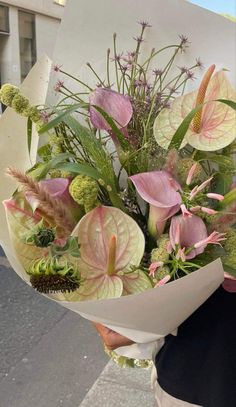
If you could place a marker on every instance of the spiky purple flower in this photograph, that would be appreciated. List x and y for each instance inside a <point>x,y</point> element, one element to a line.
<point>157,72</point>
<point>144,24</point>
<point>59,84</point>
<point>44,116</point>
<point>56,68</point>
<point>190,75</point>
<point>183,69</point>
<point>199,63</point>
<point>139,39</point>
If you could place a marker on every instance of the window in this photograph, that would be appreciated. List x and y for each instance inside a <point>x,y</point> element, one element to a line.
<point>60,2</point>
<point>4,19</point>
<point>27,42</point>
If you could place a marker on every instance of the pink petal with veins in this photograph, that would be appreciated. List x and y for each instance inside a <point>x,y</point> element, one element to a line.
<point>190,230</point>
<point>115,104</point>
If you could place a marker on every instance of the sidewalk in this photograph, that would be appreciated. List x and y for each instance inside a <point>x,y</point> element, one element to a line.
<point>120,387</point>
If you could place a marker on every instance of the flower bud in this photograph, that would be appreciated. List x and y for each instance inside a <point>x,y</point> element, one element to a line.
<point>7,93</point>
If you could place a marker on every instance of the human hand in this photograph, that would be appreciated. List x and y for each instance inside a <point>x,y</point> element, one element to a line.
<point>111,339</point>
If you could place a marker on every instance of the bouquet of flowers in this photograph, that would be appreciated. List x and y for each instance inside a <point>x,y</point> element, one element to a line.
<point>133,189</point>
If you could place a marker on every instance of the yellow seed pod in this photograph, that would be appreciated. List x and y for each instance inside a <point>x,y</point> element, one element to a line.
<point>20,103</point>
<point>7,93</point>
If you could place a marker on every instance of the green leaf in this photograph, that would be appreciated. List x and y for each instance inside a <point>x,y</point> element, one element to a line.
<point>94,149</point>
<point>40,170</point>
<point>60,116</point>
<point>222,183</point>
<point>44,152</point>
<point>84,169</point>
<point>182,129</point>
<point>29,133</point>
<point>228,102</point>
<point>123,142</point>
<point>230,197</point>
<point>225,163</point>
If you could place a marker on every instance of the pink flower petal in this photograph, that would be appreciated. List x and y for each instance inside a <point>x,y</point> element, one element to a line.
<point>115,104</point>
<point>191,230</point>
<point>158,188</point>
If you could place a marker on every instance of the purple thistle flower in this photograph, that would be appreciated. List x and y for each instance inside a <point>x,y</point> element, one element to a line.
<point>116,58</point>
<point>44,116</point>
<point>190,75</point>
<point>144,24</point>
<point>56,68</point>
<point>199,63</point>
<point>138,39</point>
<point>183,69</point>
<point>58,86</point>
<point>184,39</point>
<point>157,72</point>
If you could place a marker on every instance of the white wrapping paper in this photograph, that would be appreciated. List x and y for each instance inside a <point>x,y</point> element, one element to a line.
<point>85,34</point>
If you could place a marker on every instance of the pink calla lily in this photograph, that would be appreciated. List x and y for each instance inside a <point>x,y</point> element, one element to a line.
<point>115,104</point>
<point>214,127</point>
<point>186,232</point>
<point>160,190</point>
<point>111,243</point>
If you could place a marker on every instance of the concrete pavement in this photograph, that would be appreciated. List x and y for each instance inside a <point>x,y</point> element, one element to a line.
<point>49,357</point>
<point>117,387</point>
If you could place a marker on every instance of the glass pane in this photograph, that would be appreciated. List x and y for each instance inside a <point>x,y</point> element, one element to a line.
<point>4,19</point>
<point>27,42</point>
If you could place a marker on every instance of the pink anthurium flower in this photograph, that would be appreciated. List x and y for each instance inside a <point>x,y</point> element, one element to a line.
<point>58,188</point>
<point>115,104</point>
<point>213,127</point>
<point>21,221</point>
<point>186,232</point>
<point>111,246</point>
<point>160,190</point>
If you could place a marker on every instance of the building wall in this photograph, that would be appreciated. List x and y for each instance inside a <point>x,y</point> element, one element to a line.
<point>48,15</point>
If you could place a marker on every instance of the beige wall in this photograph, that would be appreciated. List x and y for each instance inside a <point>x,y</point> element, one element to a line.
<point>46,31</point>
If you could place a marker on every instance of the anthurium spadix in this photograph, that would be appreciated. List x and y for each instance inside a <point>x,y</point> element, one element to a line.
<point>160,190</point>
<point>111,247</point>
<point>213,126</point>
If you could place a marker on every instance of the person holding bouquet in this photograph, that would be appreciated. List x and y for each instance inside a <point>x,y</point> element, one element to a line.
<point>198,366</point>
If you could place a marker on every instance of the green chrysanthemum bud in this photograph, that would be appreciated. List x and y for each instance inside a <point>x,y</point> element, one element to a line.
<point>33,113</point>
<point>183,168</point>
<point>50,274</point>
<point>20,103</point>
<point>230,243</point>
<point>160,253</point>
<point>55,174</point>
<point>7,93</point>
<point>84,191</point>
<point>161,272</point>
<point>56,144</point>
<point>44,237</point>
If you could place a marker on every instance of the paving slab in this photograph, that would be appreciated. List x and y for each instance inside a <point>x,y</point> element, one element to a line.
<point>121,387</point>
<point>49,356</point>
